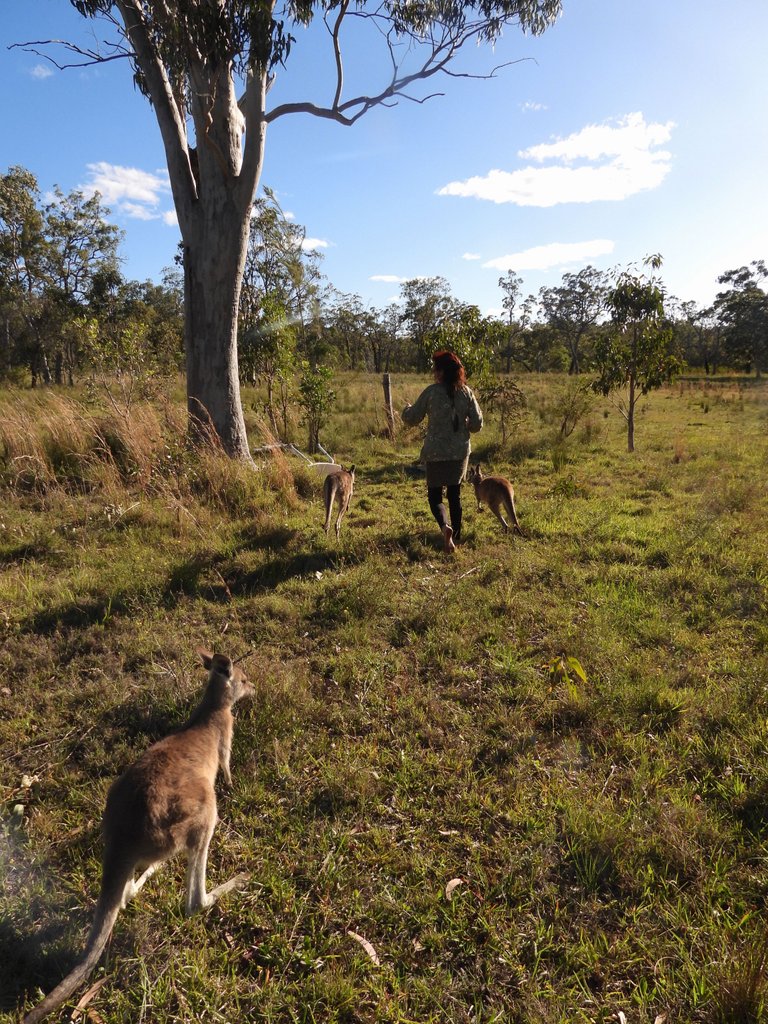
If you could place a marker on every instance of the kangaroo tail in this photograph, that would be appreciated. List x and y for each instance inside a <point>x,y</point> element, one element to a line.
<point>107,909</point>
<point>329,493</point>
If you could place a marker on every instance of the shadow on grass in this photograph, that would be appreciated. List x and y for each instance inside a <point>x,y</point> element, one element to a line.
<point>281,569</point>
<point>23,553</point>
<point>25,966</point>
<point>87,612</point>
<point>256,539</point>
<point>395,472</point>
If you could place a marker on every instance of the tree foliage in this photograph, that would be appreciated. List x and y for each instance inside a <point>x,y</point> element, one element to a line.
<point>634,354</point>
<point>574,308</point>
<point>742,311</point>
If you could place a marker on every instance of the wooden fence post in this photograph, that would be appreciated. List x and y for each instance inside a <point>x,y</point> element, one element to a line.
<point>388,406</point>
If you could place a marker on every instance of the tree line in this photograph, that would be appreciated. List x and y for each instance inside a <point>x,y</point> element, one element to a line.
<point>67,310</point>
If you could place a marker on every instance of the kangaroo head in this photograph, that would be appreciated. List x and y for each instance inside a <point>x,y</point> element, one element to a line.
<point>475,474</point>
<point>226,680</point>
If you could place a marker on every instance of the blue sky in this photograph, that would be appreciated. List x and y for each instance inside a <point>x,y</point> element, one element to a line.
<point>628,128</point>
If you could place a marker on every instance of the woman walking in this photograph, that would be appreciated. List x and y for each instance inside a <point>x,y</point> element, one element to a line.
<point>453,413</point>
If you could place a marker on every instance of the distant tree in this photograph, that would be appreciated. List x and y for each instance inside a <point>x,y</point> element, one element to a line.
<point>80,245</point>
<point>50,257</point>
<point>510,284</point>
<point>21,251</point>
<point>316,398</point>
<point>276,264</point>
<point>278,297</point>
<point>427,304</point>
<point>385,339</point>
<point>189,58</point>
<point>698,334</point>
<point>573,308</point>
<point>348,325</point>
<point>634,352</point>
<point>268,348</point>
<point>473,337</point>
<point>742,311</point>
<point>130,336</point>
<point>534,344</point>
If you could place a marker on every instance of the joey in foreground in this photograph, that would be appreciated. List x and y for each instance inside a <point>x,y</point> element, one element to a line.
<point>338,487</point>
<point>498,494</point>
<point>164,804</point>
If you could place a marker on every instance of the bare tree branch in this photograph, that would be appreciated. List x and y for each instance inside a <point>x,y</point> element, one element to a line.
<point>440,49</point>
<point>337,53</point>
<point>91,56</point>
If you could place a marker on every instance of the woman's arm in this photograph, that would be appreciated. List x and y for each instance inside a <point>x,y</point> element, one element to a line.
<point>413,414</point>
<point>474,414</point>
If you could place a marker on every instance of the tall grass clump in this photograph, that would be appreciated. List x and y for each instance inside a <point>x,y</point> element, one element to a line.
<point>52,441</point>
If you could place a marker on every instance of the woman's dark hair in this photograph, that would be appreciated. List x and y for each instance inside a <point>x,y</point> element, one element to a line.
<point>452,369</point>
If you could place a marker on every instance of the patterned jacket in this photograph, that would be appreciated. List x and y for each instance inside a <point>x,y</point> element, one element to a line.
<point>451,419</point>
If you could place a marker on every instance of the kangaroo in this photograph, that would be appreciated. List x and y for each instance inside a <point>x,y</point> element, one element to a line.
<point>338,487</point>
<point>162,804</point>
<point>497,493</point>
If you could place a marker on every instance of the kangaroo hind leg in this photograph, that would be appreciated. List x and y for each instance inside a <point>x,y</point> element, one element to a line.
<point>197,863</point>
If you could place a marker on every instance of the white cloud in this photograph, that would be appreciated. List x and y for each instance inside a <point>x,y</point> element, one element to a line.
<point>314,243</point>
<point>471,256</point>
<point>387,278</point>
<point>170,218</point>
<point>556,254</point>
<point>130,191</point>
<point>137,211</point>
<point>41,71</point>
<point>119,184</point>
<point>531,105</point>
<point>620,158</point>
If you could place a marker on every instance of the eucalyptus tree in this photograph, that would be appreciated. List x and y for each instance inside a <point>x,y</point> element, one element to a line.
<point>277,297</point>
<point>50,257</point>
<point>278,266</point>
<point>80,245</point>
<point>573,309</point>
<point>427,305</point>
<point>742,310</point>
<point>21,248</point>
<point>633,355</point>
<point>474,338</point>
<point>511,285</point>
<point>386,339</point>
<point>699,335</point>
<point>206,67</point>
<point>347,325</point>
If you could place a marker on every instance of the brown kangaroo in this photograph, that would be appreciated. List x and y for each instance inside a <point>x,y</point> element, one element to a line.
<point>163,804</point>
<point>498,494</point>
<point>338,487</point>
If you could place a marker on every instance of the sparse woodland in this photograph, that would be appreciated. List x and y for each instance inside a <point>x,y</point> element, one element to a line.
<point>527,783</point>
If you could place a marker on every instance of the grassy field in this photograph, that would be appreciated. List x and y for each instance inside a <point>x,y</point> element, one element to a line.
<point>517,844</point>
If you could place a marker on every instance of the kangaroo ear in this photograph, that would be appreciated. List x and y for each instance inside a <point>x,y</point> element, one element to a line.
<point>352,469</point>
<point>206,657</point>
<point>222,664</point>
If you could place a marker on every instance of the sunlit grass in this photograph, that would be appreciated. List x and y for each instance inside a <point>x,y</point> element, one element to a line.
<point>609,835</point>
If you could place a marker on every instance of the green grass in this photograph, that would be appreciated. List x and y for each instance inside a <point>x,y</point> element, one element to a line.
<point>610,836</point>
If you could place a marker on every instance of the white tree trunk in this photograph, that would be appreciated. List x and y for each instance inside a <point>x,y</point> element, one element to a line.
<point>213,266</point>
<point>213,189</point>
